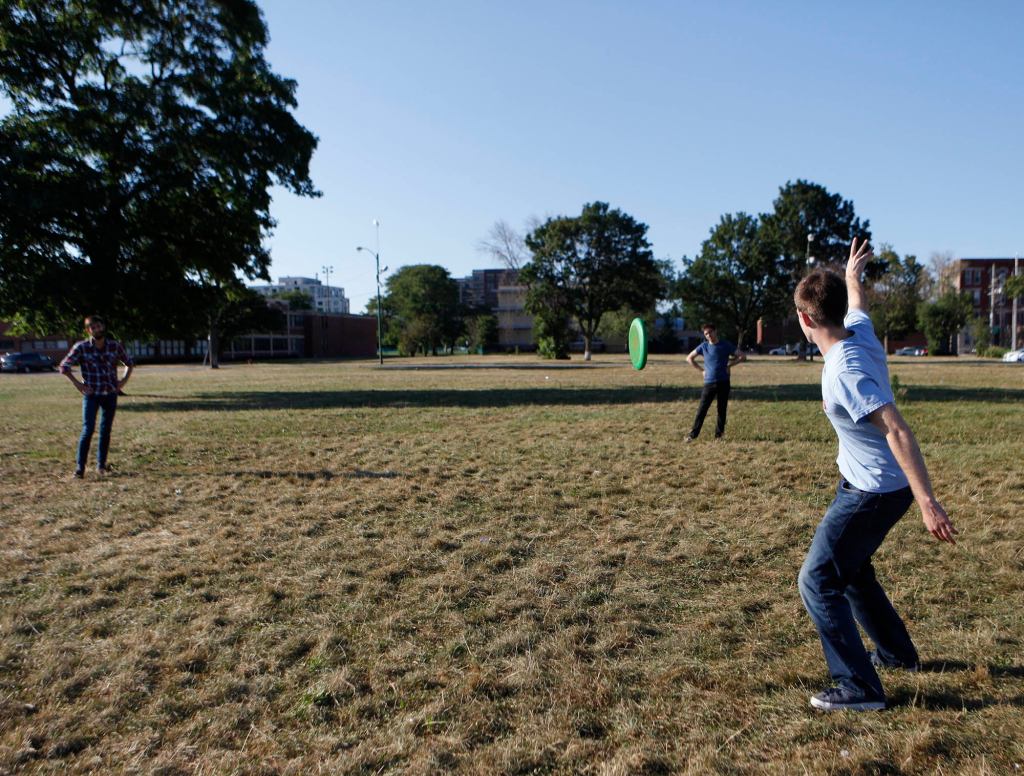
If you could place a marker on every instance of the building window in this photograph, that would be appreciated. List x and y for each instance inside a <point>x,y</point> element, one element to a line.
<point>977,297</point>
<point>972,277</point>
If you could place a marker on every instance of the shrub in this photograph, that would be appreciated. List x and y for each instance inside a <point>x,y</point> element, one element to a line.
<point>991,351</point>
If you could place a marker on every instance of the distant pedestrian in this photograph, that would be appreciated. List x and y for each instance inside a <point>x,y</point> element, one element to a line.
<point>883,473</point>
<point>720,356</point>
<point>97,358</point>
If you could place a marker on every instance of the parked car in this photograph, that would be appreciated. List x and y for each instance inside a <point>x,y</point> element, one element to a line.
<point>910,352</point>
<point>1014,357</point>
<point>794,349</point>
<point>596,345</point>
<point>26,362</point>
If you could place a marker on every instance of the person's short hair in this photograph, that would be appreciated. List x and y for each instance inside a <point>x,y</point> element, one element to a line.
<point>706,326</point>
<point>90,319</point>
<point>822,295</point>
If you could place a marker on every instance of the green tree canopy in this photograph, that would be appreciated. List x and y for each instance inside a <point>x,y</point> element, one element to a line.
<point>943,319</point>
<point>894,296</point>
<point>749,266</point>
<point>735,279</point>
<point>234,309</point>
<point>1014,287</point>
<point>424,310</point>
<point>585,266</point>
<point>137,162</point>
<point>482,331</point>
<point>803,209</point>
<point>297,299</point>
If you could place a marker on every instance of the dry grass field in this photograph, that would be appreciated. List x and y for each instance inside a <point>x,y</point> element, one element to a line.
<point>514,569</point>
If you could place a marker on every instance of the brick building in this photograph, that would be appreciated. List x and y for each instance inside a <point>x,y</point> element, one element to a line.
<point>305,335</point>
<point>977,277</point>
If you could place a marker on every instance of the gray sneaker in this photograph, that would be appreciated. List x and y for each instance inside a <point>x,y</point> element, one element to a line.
<point>839,698</point>
<point>878,663</point>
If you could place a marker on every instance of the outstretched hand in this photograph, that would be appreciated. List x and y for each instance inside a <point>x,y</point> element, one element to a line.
<point>938,523</point>
<point>860,255</point>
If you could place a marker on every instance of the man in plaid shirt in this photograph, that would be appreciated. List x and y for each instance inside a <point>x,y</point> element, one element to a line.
<point>98,358</point>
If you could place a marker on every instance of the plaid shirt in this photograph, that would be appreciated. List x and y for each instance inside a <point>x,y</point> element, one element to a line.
<point>99,367</point>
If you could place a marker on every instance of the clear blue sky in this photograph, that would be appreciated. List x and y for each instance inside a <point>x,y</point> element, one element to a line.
<point>439,118</point>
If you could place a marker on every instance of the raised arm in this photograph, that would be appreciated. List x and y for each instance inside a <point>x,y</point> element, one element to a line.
<point>903,444</point>
<point>860,255</point>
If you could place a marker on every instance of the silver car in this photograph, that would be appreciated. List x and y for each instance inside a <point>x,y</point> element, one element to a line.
<point>26,362</point>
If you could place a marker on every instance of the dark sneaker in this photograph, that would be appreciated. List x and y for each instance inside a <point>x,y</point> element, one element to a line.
<point>104,469</point>
<point>78,474</point>
<point>839,698</point>
<point>878,663</point>
<point>690,439</point>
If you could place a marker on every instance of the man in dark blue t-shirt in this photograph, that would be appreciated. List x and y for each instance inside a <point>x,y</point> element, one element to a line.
<point>719,357</point>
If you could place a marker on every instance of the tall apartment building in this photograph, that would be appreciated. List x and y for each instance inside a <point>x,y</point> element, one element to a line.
<point>499,291</point>
<point>515,325</point>
<point>977,277</point>
<point>480,289</point>
<point>326,299</point>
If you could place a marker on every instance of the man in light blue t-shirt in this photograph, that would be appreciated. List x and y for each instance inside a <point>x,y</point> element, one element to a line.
<point>882,474</point>
<point>720,356</point>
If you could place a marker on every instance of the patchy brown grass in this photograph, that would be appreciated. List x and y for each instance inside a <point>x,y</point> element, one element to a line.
<point>324,568</point>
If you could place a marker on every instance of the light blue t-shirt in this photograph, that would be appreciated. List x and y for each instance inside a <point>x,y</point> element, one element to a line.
<point>855,383</point>
<point>716,360</point>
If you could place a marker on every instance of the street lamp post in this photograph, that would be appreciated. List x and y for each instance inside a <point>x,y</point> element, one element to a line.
<point>376,256</point>
<point>1013,324</point>
<point>809,261</point>
<point>327,270</point>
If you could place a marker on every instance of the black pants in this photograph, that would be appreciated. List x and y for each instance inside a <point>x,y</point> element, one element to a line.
<point>710,392</point>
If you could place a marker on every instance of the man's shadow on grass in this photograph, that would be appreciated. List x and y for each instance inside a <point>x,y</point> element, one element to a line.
<point>959,666</point>
<point>947,700</point>
<point>232,401</point>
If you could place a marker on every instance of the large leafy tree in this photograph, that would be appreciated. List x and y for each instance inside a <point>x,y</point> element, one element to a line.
<point>896,294</point>
<point>735,279</point>
<point>585,266</point>
<point>424,309</point>
<point>941,320</point>
<point>1014,287</point>
<point>749,267</point>
<point>234,309</point>
<point>807,220</point>
<point>295,298</point>
<point>137,161</point>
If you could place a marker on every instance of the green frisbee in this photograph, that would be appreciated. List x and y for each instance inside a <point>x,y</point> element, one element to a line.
<point>638,344</point>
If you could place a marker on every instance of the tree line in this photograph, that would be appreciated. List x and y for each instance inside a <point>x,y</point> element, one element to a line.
<point>592,273</point>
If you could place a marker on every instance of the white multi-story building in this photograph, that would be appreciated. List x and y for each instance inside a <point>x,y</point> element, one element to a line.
<point>326,299</point>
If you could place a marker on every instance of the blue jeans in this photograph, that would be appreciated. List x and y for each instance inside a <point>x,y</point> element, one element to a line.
<point>838,586</point>
<point>90,404</point>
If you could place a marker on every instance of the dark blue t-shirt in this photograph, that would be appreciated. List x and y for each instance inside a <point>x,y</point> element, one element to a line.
<point>716,360</point>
